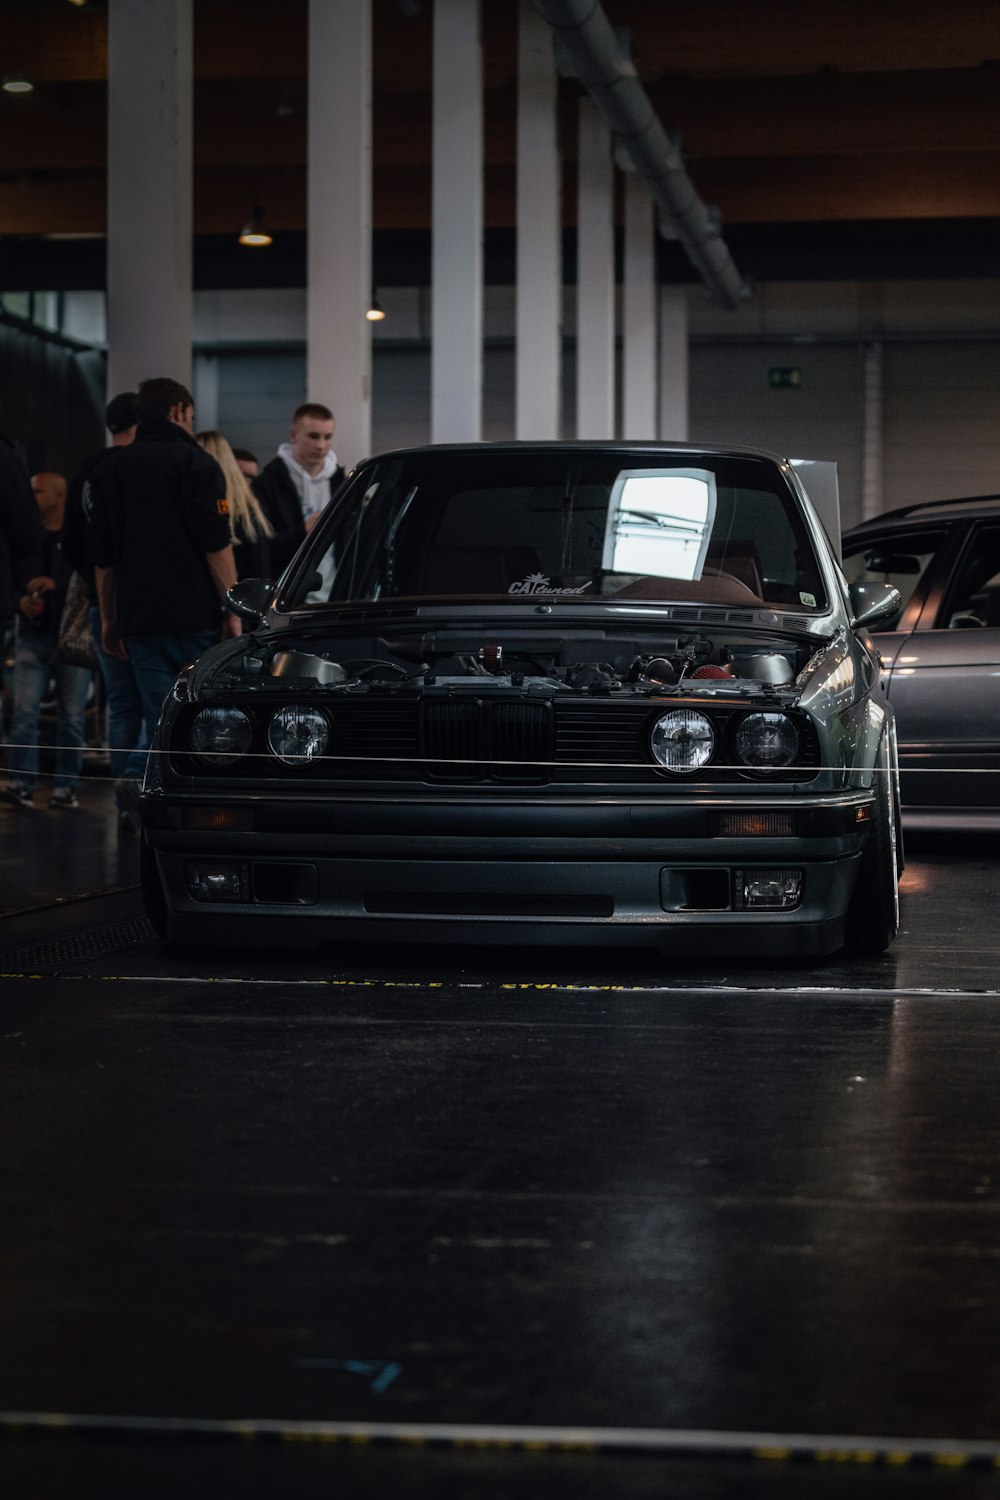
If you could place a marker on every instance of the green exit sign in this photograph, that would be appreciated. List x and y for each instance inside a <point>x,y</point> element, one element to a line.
<point>784,377</point>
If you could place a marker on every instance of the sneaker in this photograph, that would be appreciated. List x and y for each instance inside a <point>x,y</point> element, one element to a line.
<point>63,798</point>
<point>18,793</point>
<point>127,789</point>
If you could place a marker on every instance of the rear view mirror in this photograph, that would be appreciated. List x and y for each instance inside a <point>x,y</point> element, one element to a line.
<point>892,562</point>
<point>250,597</point>
<point>874,602</point>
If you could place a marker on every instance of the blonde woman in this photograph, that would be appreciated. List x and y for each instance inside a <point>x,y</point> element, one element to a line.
<point>249,526</point>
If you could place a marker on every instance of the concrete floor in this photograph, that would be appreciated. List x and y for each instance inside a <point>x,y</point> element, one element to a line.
<point>449,1187</point>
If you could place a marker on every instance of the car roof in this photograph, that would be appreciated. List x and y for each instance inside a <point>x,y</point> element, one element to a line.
<point>609,445</point>
<point>928,510</point>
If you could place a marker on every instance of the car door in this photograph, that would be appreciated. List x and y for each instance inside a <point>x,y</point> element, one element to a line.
<point>917,561</point>
<point>945,687</point>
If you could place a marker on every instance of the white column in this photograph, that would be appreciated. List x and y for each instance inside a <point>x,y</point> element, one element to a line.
<point>457,225</point>
<point>595,279</point>
<point>638,314</point>
<point>539,229</point>
<point>339,220</point>
<point>149,191</point>
<point>206,391</point>
<point>673,426</point>
<point>872,438</point>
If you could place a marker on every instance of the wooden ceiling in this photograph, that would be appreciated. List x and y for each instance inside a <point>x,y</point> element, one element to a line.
<point>819,113</point>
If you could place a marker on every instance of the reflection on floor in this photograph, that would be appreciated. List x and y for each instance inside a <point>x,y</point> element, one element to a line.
<point>48,856</point>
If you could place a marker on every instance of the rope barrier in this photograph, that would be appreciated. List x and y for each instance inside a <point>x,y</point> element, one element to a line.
<point>491,760</point>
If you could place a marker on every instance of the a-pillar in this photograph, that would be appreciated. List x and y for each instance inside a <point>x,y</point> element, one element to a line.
<point>339,220</point>
<point>638,314</point>
<point>539,223</point>
<point>674,379</point>
<point>457,224</point>
<point>149,192</point>
<point>595,278</point>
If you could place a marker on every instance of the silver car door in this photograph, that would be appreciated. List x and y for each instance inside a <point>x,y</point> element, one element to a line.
<point>945,689</point>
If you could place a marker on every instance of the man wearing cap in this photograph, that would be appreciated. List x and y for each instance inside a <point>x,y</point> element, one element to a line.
<point>128,739</point>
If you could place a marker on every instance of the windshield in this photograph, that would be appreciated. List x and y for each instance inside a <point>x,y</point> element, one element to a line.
<point>509,524</point>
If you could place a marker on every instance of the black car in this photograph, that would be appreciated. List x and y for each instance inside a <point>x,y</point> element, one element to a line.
<point>536,693</point>
<point>940,653</point>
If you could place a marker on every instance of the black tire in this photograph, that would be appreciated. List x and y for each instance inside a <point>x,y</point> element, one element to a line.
<point>153,898</point>
<point>873,917</point>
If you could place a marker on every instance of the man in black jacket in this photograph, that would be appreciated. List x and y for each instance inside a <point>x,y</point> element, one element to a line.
<point>297,485</point>
<point>163,560</point>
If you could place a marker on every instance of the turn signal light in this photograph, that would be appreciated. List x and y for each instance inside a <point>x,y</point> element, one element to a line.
<point>218,819</point>
<point>768,825</point>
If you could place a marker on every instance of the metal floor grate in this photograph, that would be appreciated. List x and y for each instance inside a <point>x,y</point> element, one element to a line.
<point>93,942</point>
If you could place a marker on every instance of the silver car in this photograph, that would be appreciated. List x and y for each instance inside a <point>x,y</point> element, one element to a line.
<point>539,693</point>
<point>940,653</point>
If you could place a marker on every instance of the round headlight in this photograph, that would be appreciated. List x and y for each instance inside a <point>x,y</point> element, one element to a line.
<point>297,734</point>
<point>220,736</point>
<point>682,740</point>
<point>767,741</point>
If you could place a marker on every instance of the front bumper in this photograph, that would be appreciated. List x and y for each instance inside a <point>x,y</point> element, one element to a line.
<point>300,873</point>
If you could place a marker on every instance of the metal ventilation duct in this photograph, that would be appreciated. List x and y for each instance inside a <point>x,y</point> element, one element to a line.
<point>590,42</point>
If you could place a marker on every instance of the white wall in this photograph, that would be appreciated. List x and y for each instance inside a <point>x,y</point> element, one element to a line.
<point>942,421</point>
<point>731,401</point>
<point>941,344</point>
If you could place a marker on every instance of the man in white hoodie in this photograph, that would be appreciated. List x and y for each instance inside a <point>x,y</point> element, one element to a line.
<point>298,484</point>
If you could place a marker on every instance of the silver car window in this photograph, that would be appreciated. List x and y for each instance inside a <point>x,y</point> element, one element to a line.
<point>900,560</point>
<point>974,601</point>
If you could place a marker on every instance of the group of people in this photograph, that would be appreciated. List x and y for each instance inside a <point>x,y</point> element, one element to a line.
<point>159,526</point>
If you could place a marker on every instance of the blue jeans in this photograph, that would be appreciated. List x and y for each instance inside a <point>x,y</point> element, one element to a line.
<point>128,738</point>
<point>33,669</point>
<point>156,661</point>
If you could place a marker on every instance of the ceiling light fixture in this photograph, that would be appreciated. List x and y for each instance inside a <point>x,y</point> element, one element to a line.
<point>375,312</point>
<point>16,83</point>
<point>253,231</point>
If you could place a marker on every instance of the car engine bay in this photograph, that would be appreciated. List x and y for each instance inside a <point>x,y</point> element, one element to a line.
<point>726,665</point>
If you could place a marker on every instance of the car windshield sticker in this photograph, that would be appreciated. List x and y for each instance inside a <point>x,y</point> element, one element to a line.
<point>538,583</point>
<point>809,600</point>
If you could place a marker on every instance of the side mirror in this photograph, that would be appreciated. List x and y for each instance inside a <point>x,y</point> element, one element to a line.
<point>872,602</point>
<point>250,597</point>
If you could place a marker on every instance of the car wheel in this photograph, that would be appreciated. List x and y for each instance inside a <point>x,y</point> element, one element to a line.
<point>153,898</point>
<point>873,919</point>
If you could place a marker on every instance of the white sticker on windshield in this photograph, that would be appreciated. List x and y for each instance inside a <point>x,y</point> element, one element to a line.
<point>809,600</point>
<point>538,583</point>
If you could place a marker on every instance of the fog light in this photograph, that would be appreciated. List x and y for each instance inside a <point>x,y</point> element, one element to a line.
<point>774,890</point>
<point>222,880</point>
